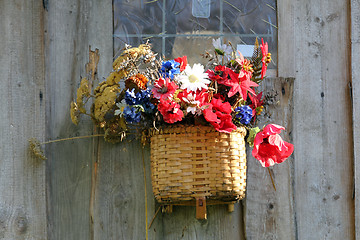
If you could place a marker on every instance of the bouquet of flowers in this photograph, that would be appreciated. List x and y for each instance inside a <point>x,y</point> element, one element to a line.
<point>145,92</point>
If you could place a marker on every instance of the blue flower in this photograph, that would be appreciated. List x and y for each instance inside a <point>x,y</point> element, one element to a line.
<point>143,95</point>
<point>143,98</point>
<point>131,98</point>
<point>132,114</point>
<point>170,68</point>
<point>140,99</point>
<point>148,107</point>
<point>243,114</point>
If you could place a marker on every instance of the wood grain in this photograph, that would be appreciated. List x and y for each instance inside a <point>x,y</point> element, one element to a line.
<point>323,166</point>
<point>220,224</point>
<point>22,177</point>
<point>71,27</point>
<point>269,214</point>
<point>119,211</point>
<point>286,38</point>
<point>355,76</point>
<point>314,189</point>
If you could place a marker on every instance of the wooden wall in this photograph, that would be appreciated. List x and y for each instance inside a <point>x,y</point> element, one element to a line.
<point>323,169</point>
<point>22,116</point>
<point>95,190</point>
<point>355,76</point>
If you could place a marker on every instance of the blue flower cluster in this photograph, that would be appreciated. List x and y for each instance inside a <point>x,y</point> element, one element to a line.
<point>132,114</point>
<point>138,102</point>
<point>170,68</point>
<point>244,114</point>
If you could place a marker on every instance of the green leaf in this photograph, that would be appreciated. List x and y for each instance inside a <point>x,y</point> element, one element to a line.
<point>252,134</point>
<point>139,108</point>
<point>218,51</point>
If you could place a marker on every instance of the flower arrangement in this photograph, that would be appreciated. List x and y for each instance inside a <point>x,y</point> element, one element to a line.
<point>145,92</point>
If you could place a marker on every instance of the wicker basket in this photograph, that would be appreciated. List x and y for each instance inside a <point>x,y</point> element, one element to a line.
<point>197,161</point>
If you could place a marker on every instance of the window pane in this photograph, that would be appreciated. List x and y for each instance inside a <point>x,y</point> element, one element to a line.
<point>174,27</point>
<point>180,20</point>
<point>137,17</point>
<point>190,46</point>
<point>252,18</point>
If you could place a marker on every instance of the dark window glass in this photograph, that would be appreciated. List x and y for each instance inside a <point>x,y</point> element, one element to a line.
<point>187,27</point>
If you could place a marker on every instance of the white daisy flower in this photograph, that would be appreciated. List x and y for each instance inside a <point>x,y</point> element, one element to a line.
<point>193,78</point>
<point>121,106</point>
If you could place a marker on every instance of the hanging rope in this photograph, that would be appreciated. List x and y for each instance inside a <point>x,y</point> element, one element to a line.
<point>146,204</point>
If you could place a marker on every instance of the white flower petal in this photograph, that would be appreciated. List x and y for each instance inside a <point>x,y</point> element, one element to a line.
<point>193,78</point>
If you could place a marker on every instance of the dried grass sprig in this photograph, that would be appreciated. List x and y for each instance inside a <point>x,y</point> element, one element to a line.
<point>35,144</point>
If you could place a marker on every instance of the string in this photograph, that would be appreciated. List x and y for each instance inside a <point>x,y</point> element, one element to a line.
<point>146,204</point>
<point>72,138</point>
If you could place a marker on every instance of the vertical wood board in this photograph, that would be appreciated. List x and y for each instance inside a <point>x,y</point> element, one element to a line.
<point>355,76</point>
<point>269,214</point>
<point>120,211</point>
<point>286,38</point>
<point>220,224</point>
<point>22,176</point>
<point>71,27</point>
<point>322,119</point>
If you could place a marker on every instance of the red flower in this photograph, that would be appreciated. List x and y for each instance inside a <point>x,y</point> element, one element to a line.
<point>218,105</point>
<point>225,125</point>
<point>241,84</point>
<point>182,61</point>
<point>209,114</point>
<point>264,60</point>
<point>217,114</point>
<point>170,111</point>
<point>256,103</point>
<point>219,96</point>
<point>163,88</point>
<point>246,66</point>
<point>220,75</point>
<point>269,148</point>
<point>200,96</point>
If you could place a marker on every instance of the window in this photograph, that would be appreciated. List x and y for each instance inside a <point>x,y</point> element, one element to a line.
<point>178,27</point>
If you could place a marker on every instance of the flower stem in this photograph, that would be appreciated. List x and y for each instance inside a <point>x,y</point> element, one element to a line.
<point>72,138</point>
<point>156,213</point>
<point>272,180</point>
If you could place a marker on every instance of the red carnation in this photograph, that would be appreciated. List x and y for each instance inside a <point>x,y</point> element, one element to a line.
<point>217,114</point>
<point>170,111</point>
<point>269,148</point>
<point>220,74</point>
<point>225,125</point>
<point>221,106</point>
<point>164,88</point>
<point>182,61</point>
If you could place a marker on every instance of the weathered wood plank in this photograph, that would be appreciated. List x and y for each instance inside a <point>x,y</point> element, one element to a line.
<point>220,224</point>
<point>322,119</point>
<point>71,27</point>
<point>269,214</point>
<point>22,177</point>
<point>120,211</point>
<point>286,38</point>
<point>355,76</point>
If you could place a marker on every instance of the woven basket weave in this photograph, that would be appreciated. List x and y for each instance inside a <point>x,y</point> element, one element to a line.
<point>197,161</point>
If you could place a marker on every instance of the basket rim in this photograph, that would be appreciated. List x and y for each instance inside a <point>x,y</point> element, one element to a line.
<point>182,128</point>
